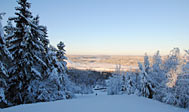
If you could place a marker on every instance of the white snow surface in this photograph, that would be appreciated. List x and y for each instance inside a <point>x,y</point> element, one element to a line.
<point>99,103</point>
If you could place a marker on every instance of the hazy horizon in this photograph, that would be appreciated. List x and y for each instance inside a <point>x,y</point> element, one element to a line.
<point>112,27</point>
<point>151,53</point>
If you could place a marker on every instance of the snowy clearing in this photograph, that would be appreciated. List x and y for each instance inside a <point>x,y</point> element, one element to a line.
<point>99,103</point>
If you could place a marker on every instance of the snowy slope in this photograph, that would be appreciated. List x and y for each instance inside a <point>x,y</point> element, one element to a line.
<point>99,103</point>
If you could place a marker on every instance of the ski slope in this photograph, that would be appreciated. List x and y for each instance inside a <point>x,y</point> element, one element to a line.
<point>99,103</point>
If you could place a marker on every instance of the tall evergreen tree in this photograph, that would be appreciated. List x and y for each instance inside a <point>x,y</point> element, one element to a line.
<point>157,61</point>
<point>181,87</point>
<point>146,85</point>
<point>4,55</point>
<point>25,46</point>
<point>52,86</point>
<point>130,85</point>
<point>146,63</point>
<point>172,61</point>
<point>158,76</point>
<point>157,73</point>
<point>61,54</point>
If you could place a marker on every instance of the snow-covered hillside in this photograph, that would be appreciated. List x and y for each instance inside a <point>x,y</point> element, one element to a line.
<point>99,103</point>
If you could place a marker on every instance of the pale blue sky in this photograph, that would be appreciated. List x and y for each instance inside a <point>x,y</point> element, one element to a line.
<point>119,27</point>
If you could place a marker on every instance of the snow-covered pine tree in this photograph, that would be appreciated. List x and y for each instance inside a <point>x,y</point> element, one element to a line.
<point>157,61</point>
<point>157,73</point>
<point>158,76</point>
<point>123,85</point>
<point>61,54</point>
<point>182,90</point>
<point>130,85</point>
<point>146,86</point>
<point>173,89</point>
<point>37,88</point>
<point>170,95</point>
<point>146,63</point>
<point>176,92</point>
<point>182,82</point>
<point>49,87</point>
<point>173,66</point>
<point>53,86</point>
<point>172,60</point>
<point>4,56</point>
<point>25,46</point>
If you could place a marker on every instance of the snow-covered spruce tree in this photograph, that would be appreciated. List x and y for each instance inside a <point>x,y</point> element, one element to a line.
<point>182,91</point>
<point>4,57</point>
<point>146,86</point>
<point>177,92</point>
<point>166,76</point>
<point>37,88</point>
<point>157,61</point>
<point>181,86</point>
<point>60,54</point>
<point>173,66</point>
<point>130,84</point>
<point>25,46</point>
<point>170,91</point>
<point>146,63</point>
<point>173,92</point>
<point>158,76</point>
<point>157,73</point>
<point>172,60</point>
<point>54,84</point>
<point>123,81</point>
<point>178,81</point>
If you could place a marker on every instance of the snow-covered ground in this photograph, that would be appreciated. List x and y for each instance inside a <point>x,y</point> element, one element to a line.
<point>99,103</point>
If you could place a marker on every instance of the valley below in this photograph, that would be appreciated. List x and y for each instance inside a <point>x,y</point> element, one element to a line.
<point>106,63</point>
